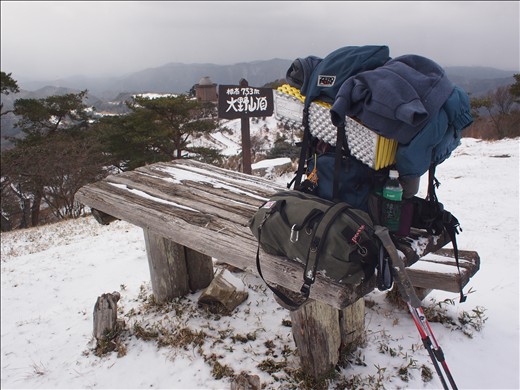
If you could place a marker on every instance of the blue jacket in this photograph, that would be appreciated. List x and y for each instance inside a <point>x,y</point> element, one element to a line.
<point>435,142</point>
<point>395,100</point>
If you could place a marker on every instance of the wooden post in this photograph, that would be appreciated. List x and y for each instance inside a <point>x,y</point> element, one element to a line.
<point>246,138</point>
<point>105,316</point>
<point>321,333</point>
<point>168,271</point>
<point>175,269</point>
<point>352,326</point>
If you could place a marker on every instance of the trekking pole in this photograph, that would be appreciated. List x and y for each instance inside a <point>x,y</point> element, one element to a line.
<point>414,305</point>
<point>429,339</point>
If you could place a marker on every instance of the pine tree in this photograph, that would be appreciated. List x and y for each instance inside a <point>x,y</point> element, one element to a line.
<point>7,85</point>
<point>157,129</point>
<point>55,157</point>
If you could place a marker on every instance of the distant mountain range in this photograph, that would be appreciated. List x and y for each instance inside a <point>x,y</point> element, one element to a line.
<point>173,78</point>
<point>180,78</point>
<point>479,80</point>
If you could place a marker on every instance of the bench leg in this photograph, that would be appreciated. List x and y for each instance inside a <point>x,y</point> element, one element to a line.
<point>321,333</point>
<point>172,271</point>
<point>200,269</point>
<point>352,326</point>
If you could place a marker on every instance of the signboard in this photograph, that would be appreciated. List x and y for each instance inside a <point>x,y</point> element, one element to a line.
<point>235,101</point>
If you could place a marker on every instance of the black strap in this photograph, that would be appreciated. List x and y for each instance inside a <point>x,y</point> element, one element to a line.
<point>283,297</point>
<point>450,223</point>
<point>309,275</point>
<point>340,138</point>
<point>303,151</point>
<point>433,183</point>
<point>452,228</point>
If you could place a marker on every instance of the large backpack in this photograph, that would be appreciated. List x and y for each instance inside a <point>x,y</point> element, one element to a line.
<point>334,169</point>
<point>320,80</point>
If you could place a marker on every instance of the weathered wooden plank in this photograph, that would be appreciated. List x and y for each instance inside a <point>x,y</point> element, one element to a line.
<point>441,273</point>
<point>188,197</point>
<point>436,280</point>
<point>178,177</point>
<point>131,207</point>
<point>189,170</point>
<point>472,256</point>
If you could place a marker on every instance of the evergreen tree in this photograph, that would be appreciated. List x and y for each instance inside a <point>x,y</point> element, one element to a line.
<point>515,88</point>
<point>157,129</point>
<point>57,155</point>
<point>7,85</point>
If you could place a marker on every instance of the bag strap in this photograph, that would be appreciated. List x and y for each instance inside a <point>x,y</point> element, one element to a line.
<point>309,275</point>
<point>452,227</point>
<point>283,297</point>
<point>450,223</point>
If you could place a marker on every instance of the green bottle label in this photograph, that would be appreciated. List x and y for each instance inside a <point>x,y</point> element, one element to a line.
<point>390,193</point>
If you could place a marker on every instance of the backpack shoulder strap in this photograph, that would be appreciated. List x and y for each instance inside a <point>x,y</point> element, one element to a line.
<point>306,141</point>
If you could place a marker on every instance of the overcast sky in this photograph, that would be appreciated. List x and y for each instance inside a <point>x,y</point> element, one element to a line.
<point>46,40</point>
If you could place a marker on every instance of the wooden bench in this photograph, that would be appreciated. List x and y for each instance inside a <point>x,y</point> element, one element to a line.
<point>192,212</point>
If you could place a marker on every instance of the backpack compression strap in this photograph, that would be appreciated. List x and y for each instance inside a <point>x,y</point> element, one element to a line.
<point>340,139</point>
<point>450,223</point>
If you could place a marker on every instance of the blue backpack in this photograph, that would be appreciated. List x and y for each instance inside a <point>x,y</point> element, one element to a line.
<point>342,177</point>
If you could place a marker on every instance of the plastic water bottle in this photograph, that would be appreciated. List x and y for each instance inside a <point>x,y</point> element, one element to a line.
<point>393,194</point>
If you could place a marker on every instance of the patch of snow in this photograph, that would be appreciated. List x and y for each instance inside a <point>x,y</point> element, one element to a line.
<point>268,163</point>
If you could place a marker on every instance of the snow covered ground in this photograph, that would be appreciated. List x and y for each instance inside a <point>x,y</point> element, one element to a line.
<point>52,276</point>
<point>229,142</point>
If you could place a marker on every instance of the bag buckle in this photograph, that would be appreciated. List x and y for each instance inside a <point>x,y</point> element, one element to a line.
<point>306,290</point>
<point>295,234</point>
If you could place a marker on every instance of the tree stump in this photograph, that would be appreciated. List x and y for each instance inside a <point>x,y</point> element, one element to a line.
<point>105,317</point>
<point>321,333</point>
<point>175,269</point>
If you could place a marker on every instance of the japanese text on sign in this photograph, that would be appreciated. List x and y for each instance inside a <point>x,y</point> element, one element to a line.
<point>239,102</point>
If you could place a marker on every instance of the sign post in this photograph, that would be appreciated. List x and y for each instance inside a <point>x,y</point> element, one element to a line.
<point>246,137</point>
<point>242,101</point>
